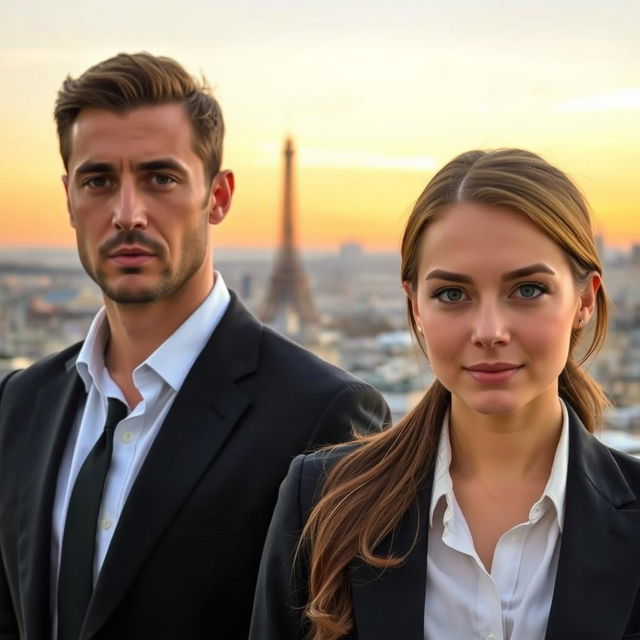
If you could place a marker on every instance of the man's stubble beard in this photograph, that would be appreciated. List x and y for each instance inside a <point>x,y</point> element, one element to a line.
<point>168,281</point>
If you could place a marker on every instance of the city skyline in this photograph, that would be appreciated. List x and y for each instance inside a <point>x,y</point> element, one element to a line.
<point>376,95</point>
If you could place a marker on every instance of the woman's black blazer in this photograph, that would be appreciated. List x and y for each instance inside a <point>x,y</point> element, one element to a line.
<point>596,595</point>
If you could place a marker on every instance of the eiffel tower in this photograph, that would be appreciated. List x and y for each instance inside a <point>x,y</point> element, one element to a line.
<point>289,307</point>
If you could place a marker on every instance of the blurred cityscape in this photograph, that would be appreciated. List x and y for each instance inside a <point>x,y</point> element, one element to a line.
<point>346,306</point>
<point>47,302</point>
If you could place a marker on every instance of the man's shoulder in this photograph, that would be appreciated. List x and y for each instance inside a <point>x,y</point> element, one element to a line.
<point>278,349</point>
<point>241,336</point>
<point>42,370</point>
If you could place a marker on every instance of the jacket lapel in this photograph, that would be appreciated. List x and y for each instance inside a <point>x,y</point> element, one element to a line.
<point>203,415</point>
<point>390,603</point>
<point>599,567</point>
<point>55,408</point>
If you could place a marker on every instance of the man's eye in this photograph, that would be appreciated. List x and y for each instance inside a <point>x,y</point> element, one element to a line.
<point>530,290</point>
<point>162,180</point>
<point>450,295</point>
<point>97,182</point>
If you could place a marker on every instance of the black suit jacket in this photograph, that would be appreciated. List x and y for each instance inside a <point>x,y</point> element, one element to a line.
<point>184,557</point>
<point>596,595</point>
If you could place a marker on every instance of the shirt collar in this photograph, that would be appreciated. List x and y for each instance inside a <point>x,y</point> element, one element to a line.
<point>90,358</point>
<point>555,489</point>
<point>173,359</point>
<point>442,483</point>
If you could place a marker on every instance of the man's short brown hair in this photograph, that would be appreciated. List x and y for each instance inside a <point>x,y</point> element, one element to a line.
<point>127,81</point>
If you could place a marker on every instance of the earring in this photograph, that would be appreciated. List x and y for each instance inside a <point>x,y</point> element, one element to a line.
<point>419,328</point>
<point>580,323</point>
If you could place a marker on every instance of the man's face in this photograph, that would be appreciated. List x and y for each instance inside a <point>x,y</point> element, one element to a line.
<point>140,203</point>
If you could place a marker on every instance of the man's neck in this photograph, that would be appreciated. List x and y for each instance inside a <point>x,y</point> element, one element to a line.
<point>137,330</point>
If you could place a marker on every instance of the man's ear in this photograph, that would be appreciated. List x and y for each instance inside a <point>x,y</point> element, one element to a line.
<point>65,183</point>
<point>222,187</point>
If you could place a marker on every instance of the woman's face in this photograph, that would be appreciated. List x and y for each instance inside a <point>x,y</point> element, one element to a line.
<point>496,303</point>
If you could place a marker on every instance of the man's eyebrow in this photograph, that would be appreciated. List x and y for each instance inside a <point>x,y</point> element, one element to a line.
<point>94,167</point>
<point>161,164</point>
<point>452,276</point>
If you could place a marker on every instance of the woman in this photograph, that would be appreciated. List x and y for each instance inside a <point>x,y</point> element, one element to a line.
<point>490,511</point>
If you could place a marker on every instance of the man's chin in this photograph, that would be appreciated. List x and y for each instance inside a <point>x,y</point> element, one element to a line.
<point>130,295</point>
<point>131,288</point>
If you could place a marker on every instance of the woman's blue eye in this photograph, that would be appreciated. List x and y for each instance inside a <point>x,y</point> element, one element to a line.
<point>530,291</point>
<point>449,295</point>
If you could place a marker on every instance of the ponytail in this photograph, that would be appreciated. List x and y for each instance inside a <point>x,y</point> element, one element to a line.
<point>364,497</point>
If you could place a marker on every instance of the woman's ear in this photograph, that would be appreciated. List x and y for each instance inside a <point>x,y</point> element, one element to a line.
<point>409,291</point>
<point>588,297</point>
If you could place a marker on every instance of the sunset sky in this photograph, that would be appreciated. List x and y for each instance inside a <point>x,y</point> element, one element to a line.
<point>377,95</point>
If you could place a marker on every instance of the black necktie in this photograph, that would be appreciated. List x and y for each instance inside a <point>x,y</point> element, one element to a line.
<point>75,582</point>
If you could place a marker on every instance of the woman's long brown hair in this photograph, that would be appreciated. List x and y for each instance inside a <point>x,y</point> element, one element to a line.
<point>369,489</point>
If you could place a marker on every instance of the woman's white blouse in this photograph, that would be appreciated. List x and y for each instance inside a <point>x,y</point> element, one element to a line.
<point>465,602</point>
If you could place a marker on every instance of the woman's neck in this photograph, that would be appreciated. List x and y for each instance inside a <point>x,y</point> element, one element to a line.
<point>519,445</point>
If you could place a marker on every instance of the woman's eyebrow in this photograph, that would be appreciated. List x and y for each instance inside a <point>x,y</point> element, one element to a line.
<point>452,276</point>
<point>448,275</point>
<point>528,271</point>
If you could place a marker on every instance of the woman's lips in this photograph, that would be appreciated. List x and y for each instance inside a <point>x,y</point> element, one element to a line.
<point>493,374</point>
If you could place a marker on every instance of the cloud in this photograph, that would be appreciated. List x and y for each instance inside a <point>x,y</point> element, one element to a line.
<point>616,99</point>
<point>270,154</point>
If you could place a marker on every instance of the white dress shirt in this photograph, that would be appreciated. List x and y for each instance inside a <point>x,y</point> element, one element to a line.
<point>512,602</point>
<point>158,380</point>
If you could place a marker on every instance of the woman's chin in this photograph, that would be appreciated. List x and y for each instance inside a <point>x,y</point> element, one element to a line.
<point>493,403</point>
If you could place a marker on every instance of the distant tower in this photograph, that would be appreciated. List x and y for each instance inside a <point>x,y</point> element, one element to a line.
<point>288,306</point>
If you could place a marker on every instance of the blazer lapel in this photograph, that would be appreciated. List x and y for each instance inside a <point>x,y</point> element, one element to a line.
<point>390,603</point>
<point>203,415</point>
<point>55,408</point>
<point>599,567</point>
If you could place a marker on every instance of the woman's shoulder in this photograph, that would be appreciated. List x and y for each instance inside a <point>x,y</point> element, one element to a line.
<point>615,474</point>
<point>629,465</point>
<point>321,461</point>
<point>309,472</point>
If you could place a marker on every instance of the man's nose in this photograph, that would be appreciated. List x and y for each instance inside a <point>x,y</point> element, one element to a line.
<point>490,327</point>
<point>129,208</point>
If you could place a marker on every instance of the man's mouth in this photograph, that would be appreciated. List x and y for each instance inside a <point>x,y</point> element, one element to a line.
<point>131,256</point>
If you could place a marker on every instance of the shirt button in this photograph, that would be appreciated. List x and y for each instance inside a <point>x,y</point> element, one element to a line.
<point>105,523</point>
<point>127,436</point>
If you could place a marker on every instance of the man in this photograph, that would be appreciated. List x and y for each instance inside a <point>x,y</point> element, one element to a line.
<point>138,470</point>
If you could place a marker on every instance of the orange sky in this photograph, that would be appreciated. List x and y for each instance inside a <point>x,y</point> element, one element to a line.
<point>377,96</point>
